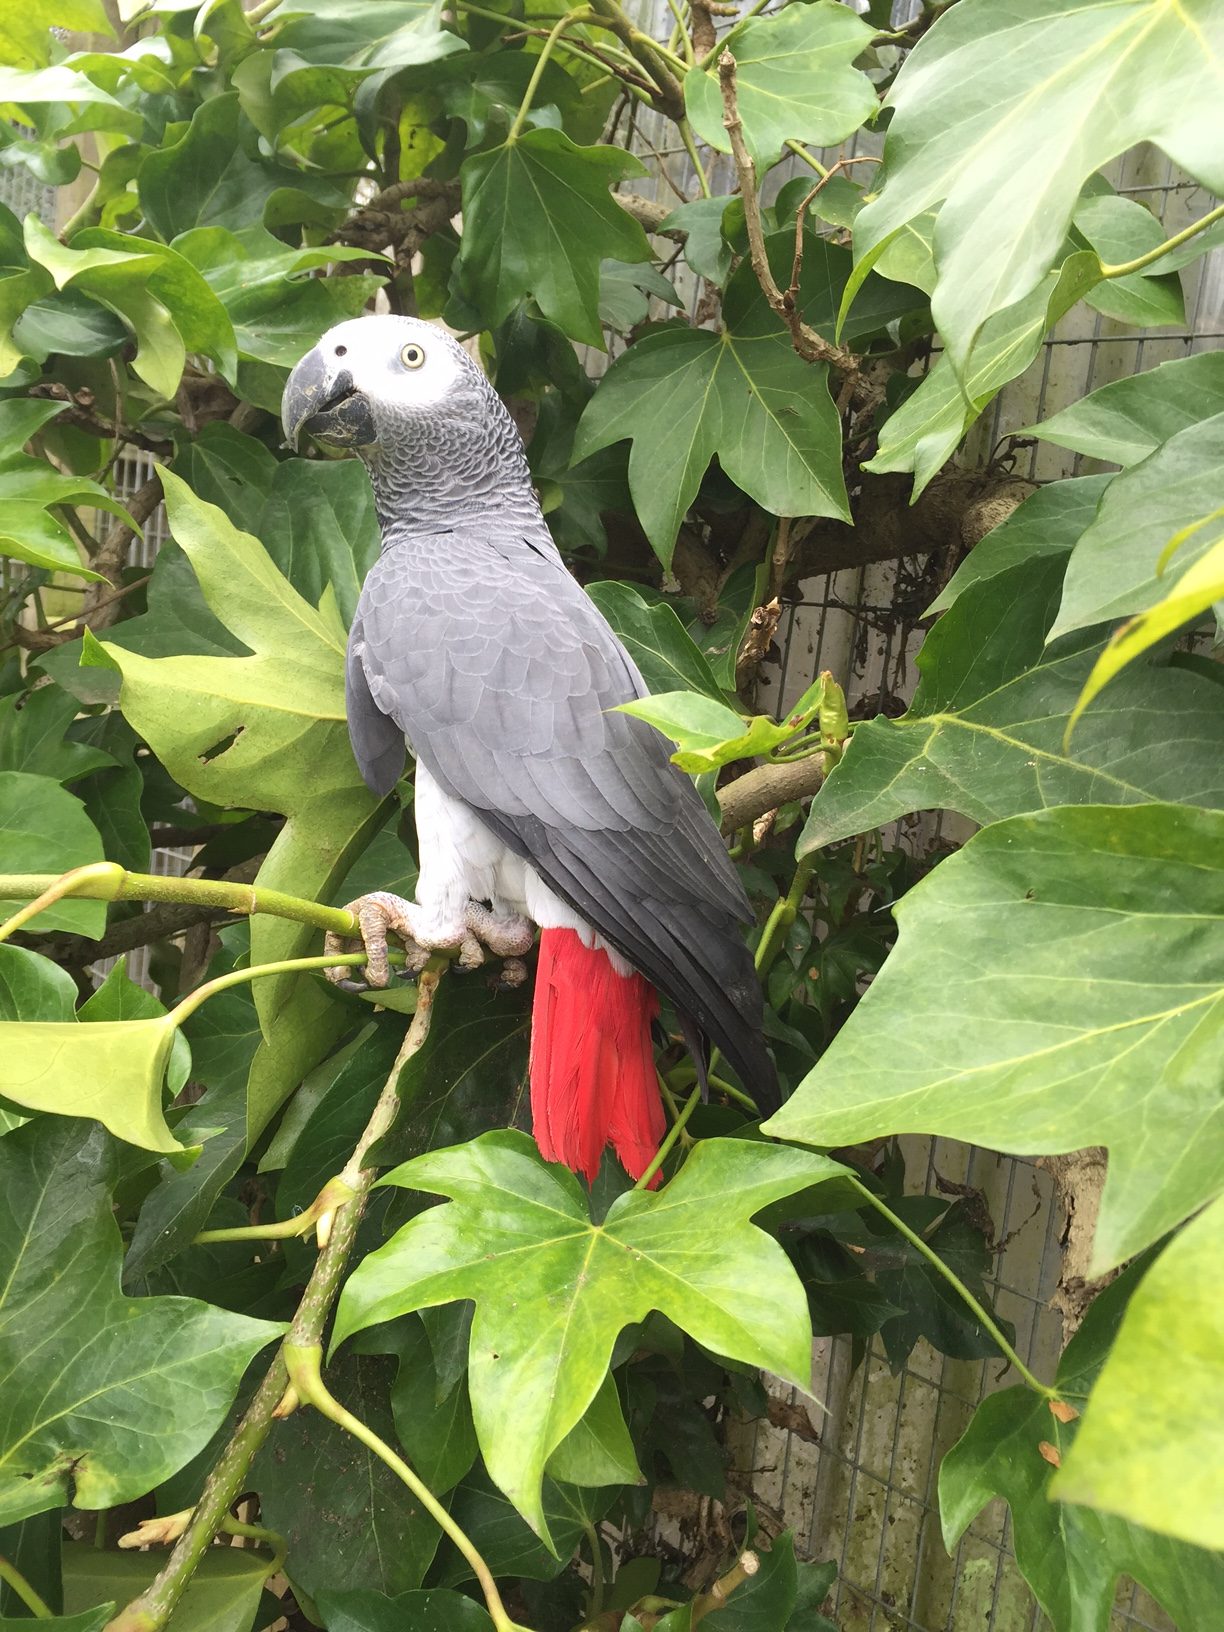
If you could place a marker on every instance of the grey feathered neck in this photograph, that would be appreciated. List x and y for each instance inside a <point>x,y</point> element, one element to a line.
<point>433,470</point>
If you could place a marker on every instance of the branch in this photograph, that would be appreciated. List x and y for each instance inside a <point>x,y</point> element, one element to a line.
<point>812,347</point>
<point>152,1609</point>
<point>767,787</point>
<point>101,605</point>
<point>649,214</point>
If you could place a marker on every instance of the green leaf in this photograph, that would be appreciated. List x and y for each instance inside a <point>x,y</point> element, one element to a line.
<point>1049,522</point>
<point>1072,1557</point>
<point>1151,1447</point>
<point>28,533</point>
<point>44,829</point>
<point>1120,230</point>
<point>25,32</point>
<point>1113,569</point>
<point>86,1370</point>
<point>33,737</point>
<point>656,640</point>
<point>1127,419</point>
<point>625,290</point>
<point>706,248</point>
<point>537,222</point>
<point>985,733</point>
<point>683,396</point>
<point>794,79</point>
<point>539,1356</point>
<point>709,734</point>
<point>508,1545</point>
<point>222,1594</point>
<point>1054,982</point>
<point>766,1601</point>
<point>598,1449</point>
<point>266,731</point>
<point>1081,85</point>
<point>376,1534</point>
<point>92,1620</point>
<point>925,431</point>
<point>1197,590</point>
<point>433,1611</point>
<point>177,1208</point>
<point>34,988</point>
<point>433,1425</point>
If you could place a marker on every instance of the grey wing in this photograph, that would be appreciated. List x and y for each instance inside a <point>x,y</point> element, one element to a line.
<point>501,672</point>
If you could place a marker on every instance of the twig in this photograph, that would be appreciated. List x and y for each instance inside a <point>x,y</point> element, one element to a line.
<point>812,347</point>
<point>101,607</point>
<point>801,214</point>
<point>746,799</point>
<point>152,1609</point>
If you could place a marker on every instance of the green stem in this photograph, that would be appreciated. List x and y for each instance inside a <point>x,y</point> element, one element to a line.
<point>337,1192</point>
<point>957,1285</point>
<point>106,881</point>
<point>597,1569</point>
<point>537,73</point>
<point>785,911</point>
<point>265,8</point>
<point>153,1608</point>
<point>303,1363</point>
<point>673,1133</point>
<point>1153,255</point>
<point>690,147</point>
<point>286,966</point>
<point>12,1577</point>
<point>801,152</point>
<point>680,34</point>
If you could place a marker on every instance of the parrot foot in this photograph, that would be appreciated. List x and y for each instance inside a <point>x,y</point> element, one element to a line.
<point>381,913</point>
<point>511,975</point>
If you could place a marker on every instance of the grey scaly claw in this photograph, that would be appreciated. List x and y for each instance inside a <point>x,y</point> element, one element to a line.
<point>380,913</point>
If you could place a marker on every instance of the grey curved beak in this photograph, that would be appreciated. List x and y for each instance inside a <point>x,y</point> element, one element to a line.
<point>324,403</point>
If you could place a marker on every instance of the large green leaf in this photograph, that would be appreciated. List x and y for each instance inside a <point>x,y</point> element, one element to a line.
<point>1002,113</point>
<point>1113,569</point>
<point>795,78</point>
<point>435,1611</point>
<point>1071,1556</point>
<point>1049,522</point>
<point>86,1370</point>
<point>1121,230</point>
<point>1152,1445</point>
<point>1127,419</point>
<point>25,31</point>
<point>222,1594</point>
<point>553,1290</point>
<point>376,1534</point>
<point>683,396</point>
<point>33,737</point>
<point>1057,983</point>
<point>925,431</point>
<point>44,829</point>
<point>266,731</point>
<point>984,734</point>
<point>537,221</point>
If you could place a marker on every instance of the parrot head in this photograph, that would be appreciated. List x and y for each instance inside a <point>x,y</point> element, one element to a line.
<point>369,379</point>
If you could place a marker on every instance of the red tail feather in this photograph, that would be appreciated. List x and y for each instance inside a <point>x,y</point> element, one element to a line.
<point>592,1065</point>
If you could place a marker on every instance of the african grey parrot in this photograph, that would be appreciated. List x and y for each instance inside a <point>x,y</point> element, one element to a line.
<point>535,805</point>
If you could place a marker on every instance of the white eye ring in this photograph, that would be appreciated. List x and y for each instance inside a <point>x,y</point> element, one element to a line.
<point>412,355</point>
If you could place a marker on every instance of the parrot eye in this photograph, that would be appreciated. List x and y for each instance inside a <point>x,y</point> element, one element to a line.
<point>412,355</point>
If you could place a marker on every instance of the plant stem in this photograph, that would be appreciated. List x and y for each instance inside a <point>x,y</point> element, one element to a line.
<point>957,1285</point>
<point>537,73</point>
<point>1161,250</point>
<point>334,1194</point>
<point>12,1577</point>
<point>673,1133</point>
<point>107,881</point>
<point>690,147</point>
<point>680,34</point>
<point>727,43</point>
<point>152,1609</point>
<point>785,911</point>
<point>597,1568</point>
<point>286,966</point>
<point>801,152</point>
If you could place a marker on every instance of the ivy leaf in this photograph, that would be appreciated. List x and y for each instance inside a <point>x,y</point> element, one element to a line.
<point>433,1611</point>
<point>44,829</point>
<point>33,737</point>
<point>1151,1447</point>
<point>709,734</point>
<point>706,248</point>
<point>1121,230</point>
<point>1083,84</point>
<point>538,220</point>
<point>508,1545</point>
<point>1071,1556</point>
<point>1113,569</point>
<point>682,396</point>
<point>1049,522</point>
<point>222,1595</point>
<point>177,1208</point>
<point>376,1534</point>
<point>598,1449</point>
<point>85,1369</point>
<point>794,79</point>
<point>656,640</point>
<point>25,37</point>
<point>1010,1014</point>
<point>549,1354</point>
<point>265,731</point>
<point>1127,419</point>
<point>925,431</point>
<point>985,733</point>
<point>91,1620</point>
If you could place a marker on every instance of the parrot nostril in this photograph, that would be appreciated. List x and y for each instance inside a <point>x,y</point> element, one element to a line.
<point>341,351</point>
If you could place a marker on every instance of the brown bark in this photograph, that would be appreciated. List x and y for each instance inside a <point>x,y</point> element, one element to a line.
<point>1079,1181</point>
